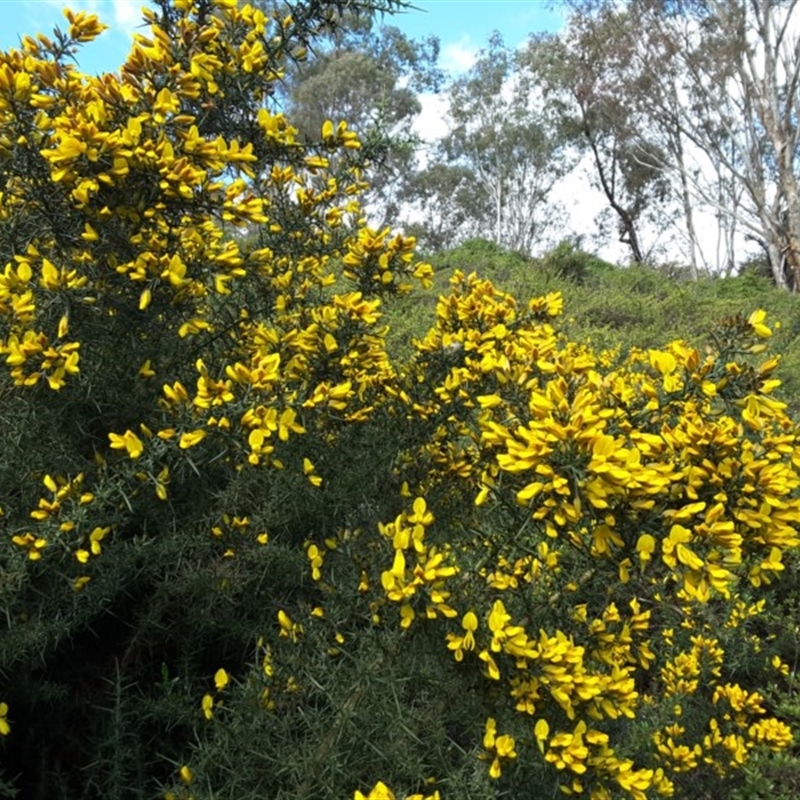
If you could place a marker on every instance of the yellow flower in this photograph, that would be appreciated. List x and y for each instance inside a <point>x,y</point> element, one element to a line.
<point>492,670</point>
<point>407,615</point>
<point>760,573</point>
<point>466,642</point>
<point>288,628</point>
<point>315,557</point>
<point>498,618</point>
<point>161,483</point>
<point>208,706</point>
<point>780,666</point>
<point>5,728</point>
<point>83,27</point>
<point>309,471</point>
<point>95,537</point>
<point>678,537</point>
<point>128,441</point>
<point>635,782</point>
<point>380,792</point>
<point>645,546</point>
<point>420,514</point>
<point>221,679</point>
<point>756,322</point>
<point>541,731</point>
<point>287,424</point>
<point>191,438</point>
<point>775,734</point>
<point>573,752</point>
<point>33,544</point>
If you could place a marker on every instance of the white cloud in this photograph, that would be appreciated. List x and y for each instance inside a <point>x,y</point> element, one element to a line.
<point>127,15</point>
<point>584,202</point>
<point>432,122</point>
<point>456,57</point>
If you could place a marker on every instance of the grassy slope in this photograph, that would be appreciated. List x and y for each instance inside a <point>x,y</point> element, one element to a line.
<point>610,306</point>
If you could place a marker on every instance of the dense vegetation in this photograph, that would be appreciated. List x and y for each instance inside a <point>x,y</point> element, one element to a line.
<point>683,116</point>
<point>612,306</point>
<point>290,512</point>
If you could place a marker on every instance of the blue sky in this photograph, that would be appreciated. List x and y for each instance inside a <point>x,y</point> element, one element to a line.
<point>463,26</point>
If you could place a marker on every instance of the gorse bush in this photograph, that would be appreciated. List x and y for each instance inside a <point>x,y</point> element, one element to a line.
<point>123,284</point>
<point>250,553</point>
<point>613,307</point>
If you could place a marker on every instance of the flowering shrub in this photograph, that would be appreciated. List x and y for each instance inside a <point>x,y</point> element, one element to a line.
<point>247,551</point>
<point>627,514</point>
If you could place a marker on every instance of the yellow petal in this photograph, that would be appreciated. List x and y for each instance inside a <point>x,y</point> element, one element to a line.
<point>221,679</point>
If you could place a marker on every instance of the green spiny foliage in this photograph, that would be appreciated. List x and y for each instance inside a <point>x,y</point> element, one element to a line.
<point>255,547</point>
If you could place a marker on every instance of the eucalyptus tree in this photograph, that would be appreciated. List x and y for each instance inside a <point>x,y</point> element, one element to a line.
<point>741,60</point>
<point>492,174</point>
<point>717,84</point>
<point>368,74</point>
<point>585,74</point>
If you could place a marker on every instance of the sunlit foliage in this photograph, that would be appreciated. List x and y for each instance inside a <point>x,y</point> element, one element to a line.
<point>249,553</point>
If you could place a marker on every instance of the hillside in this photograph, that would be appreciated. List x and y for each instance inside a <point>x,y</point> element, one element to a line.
<point>614,307</point>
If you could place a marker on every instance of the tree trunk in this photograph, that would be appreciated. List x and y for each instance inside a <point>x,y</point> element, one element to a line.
<point>629,235</point>
<point>792,244</point>
<point>498,229</point>
<point>688,211</point>
<point>776,264</point>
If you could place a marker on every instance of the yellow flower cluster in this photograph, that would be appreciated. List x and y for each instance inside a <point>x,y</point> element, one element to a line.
<point>209,702</point>
<point>729,738</point>
<point>665,475</point>
<point>403,582</point>
<point>148,191</point>
<point>498,747</point>
<point>382,792</point>
<point>579,531</point>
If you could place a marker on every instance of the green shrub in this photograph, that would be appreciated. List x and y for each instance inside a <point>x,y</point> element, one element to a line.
<point>255,548</point>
